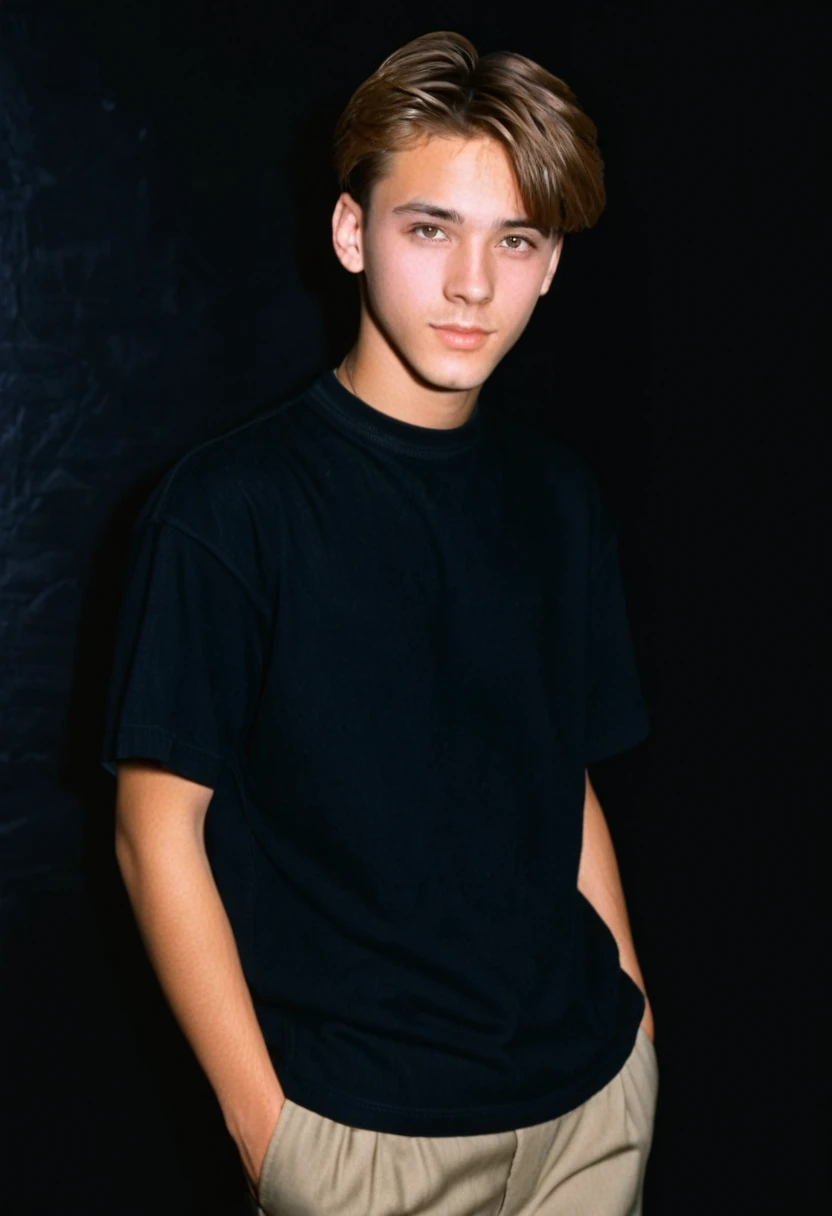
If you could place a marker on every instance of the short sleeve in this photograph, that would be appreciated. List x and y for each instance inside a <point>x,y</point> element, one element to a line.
<point>616,715</point>
<point>187,659</point>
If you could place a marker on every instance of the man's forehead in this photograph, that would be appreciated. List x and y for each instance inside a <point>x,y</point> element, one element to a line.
<point>466,180</point>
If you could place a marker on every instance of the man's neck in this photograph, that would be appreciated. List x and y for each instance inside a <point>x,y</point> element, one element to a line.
<point>387,385</point>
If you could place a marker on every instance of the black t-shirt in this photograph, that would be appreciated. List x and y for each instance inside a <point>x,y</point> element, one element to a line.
<point>391,650</point>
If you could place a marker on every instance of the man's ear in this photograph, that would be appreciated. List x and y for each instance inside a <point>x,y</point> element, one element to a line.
<point>553,265</point>
<point>348,233</point>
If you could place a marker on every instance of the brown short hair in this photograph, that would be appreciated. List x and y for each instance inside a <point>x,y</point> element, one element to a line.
<point>439,85</point>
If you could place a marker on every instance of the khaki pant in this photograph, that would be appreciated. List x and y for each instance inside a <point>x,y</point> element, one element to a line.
<point>589,1162</point>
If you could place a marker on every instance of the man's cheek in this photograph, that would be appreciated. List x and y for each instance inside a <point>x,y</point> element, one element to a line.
<point>405,304</point>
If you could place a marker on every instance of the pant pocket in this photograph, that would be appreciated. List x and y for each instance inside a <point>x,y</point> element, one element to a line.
<point>652,1060</point>
<point>640,1079</point>
<point>272,1149</point>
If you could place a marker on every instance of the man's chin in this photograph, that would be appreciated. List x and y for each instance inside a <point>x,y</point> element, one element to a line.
<point>454,375</point>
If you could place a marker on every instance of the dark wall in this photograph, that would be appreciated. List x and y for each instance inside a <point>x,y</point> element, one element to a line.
<point>166,271</point>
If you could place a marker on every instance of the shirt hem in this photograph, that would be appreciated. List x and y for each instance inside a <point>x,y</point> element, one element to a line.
<point>619,740</point>
<point>159,743</point>
<point>461,1121</point>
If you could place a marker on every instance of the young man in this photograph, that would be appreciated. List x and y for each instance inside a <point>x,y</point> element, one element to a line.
<point>370,641</point>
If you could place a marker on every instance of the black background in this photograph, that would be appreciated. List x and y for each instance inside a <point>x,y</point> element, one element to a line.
<point>166,270</point>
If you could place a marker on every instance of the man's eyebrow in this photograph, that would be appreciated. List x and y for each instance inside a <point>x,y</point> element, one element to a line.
<point>418,206</point>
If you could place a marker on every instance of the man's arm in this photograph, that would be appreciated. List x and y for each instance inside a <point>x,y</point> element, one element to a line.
<point>599,881</point>
<point>183,923</point>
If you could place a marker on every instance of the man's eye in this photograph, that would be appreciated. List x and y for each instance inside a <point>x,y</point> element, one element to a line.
<point>423,227</point>
<point>515,237</point>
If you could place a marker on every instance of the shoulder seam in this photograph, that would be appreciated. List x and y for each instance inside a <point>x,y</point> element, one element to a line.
<point>173,472</point>
<point>238,578</point>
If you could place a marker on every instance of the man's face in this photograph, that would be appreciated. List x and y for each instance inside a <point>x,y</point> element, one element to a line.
<point>424,271</point>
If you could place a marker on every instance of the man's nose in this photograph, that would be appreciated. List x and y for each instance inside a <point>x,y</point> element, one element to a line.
<point>470,275</point>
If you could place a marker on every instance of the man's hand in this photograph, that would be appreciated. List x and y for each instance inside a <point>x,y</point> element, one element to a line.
<point>253,1147</point>
<point>600,883</point>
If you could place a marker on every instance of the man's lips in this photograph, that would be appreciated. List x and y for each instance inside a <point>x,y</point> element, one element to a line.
<point>460,338</point>
<point>463,329</point>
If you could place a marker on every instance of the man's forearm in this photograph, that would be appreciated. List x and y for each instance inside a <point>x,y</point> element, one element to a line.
<point>190,943</point>
<point>599,881</point>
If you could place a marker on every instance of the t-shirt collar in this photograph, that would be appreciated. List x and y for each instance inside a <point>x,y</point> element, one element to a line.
<point>348,411</point>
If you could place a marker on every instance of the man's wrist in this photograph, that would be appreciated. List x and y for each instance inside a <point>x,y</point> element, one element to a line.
<point>252,1137</point>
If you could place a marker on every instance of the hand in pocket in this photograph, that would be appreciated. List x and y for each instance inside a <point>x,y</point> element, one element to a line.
<point>253,1153</point>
